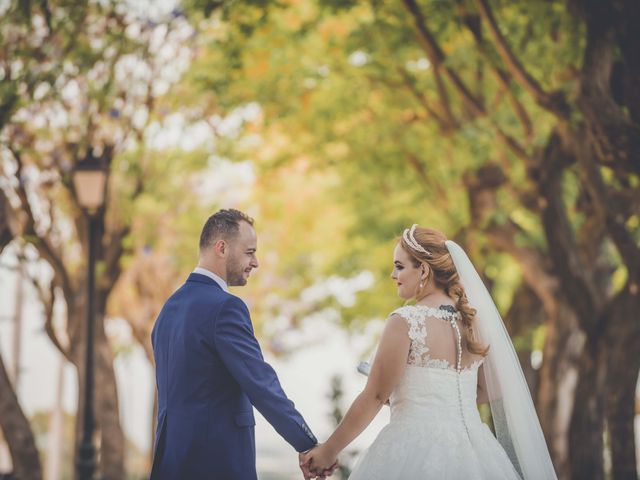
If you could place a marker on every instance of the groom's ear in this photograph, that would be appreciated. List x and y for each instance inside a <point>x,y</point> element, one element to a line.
<point>220,248</point>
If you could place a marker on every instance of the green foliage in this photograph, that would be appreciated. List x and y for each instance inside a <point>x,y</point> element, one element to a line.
<point>343,86</point>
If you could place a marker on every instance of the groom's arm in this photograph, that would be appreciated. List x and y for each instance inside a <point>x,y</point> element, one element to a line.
<point>236,344</point>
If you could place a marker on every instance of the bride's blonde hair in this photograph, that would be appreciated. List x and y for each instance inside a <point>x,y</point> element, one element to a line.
<point>428,245</point>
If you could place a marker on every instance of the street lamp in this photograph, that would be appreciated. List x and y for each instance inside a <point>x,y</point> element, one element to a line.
<point>89,179</point>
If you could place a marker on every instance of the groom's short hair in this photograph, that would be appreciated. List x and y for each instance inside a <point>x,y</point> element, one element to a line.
<point>224,224</point>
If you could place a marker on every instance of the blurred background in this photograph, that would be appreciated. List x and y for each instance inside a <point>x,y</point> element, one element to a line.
<point>511,125</point>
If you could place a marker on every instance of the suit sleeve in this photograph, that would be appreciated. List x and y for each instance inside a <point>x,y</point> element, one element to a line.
<point>237,346</point>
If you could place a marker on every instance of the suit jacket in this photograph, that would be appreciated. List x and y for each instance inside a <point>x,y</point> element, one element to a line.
<point>209,373</point>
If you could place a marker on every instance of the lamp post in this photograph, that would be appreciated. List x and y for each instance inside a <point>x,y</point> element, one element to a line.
<point>89,178</point>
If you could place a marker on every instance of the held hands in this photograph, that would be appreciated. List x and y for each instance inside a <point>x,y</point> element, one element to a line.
<point>318,462</point>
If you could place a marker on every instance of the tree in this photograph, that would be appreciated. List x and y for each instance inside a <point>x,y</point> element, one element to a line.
<point>13,422</point>
<point>542,148</point>
<point>83,82</point>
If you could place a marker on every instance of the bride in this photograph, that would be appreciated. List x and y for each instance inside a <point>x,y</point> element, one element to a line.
<point>435,362</point>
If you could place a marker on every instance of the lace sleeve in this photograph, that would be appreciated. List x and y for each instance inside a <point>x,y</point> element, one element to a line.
<point>417,333</point>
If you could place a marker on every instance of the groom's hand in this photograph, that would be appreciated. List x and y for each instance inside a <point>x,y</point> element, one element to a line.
<point>320,461</point>
<point>305,460</point>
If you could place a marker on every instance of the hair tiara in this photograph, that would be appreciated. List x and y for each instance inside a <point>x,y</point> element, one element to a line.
<point>411,240</point>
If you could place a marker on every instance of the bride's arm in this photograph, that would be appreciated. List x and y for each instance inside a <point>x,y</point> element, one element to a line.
<point>386,371</point>
<point>482,395</point>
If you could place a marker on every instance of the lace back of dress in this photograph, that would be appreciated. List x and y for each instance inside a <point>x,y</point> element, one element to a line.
<point>436,342</point>
<point>436,338</point>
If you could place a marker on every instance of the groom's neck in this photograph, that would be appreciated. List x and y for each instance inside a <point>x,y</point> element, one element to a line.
<point>213,267</point>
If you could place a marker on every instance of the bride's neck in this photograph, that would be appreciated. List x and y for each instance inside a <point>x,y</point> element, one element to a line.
<point>435,298</point>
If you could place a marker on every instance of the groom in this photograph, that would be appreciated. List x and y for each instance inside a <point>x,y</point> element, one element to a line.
<point>210,370</point>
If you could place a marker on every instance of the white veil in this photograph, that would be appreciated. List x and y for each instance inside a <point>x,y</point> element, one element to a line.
<point>514,416</point>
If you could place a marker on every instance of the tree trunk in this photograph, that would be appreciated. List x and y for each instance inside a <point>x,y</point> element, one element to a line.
<point>106,412</point>
<point>13,422</point>
<point>17,328</point>
<point>76,355</point>
<point>539,300</point>
<point>524,315</point>
<point>587,421</point>
<point>610,102</point>
<point>56,430</point>
<point>17,432</point>
<point>112,438</point>
<point>579,288</point>
<point>558,379</point>
<point>624,363</point>
<point>6,233</point>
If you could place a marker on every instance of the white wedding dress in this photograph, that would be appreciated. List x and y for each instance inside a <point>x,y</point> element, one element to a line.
<point>435,431</point>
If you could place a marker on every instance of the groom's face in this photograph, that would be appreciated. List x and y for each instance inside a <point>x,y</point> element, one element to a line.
<point>242,259</point>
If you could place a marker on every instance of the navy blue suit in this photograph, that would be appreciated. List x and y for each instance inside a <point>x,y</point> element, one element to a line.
<point>209,373</point>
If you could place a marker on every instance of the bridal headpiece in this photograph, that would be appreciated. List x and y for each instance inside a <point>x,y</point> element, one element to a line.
<point>411,240</point>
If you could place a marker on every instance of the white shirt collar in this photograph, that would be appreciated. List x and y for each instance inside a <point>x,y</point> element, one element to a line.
<point>212,276</point>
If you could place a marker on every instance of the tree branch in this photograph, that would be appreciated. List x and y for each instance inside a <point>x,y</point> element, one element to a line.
<point>409,84</point>
<point>41,243</point>
<point>7,220</point>
<point>115,242</point>
<point>614,134</point>
<point>420,170</point>
<point>503,77</point>
<point>578,283</point>
<point>531,260</point>
<point>113,255</point>
<point>49,328</point>
<point>610,213</point>
<point>48,301</point>
<point>555,102</point>
<point>482,187</point>
<point>444,98</point>
<point>513,145</point>
<point>437,58</point>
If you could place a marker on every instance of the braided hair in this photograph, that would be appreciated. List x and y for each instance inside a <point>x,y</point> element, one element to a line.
<point>435,253</point>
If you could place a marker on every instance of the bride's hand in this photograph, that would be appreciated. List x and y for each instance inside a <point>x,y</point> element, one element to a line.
<point>322,461</point>
<point>305,466</point>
